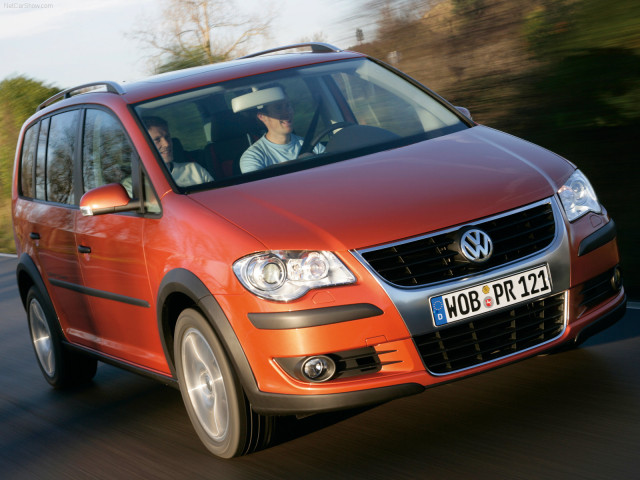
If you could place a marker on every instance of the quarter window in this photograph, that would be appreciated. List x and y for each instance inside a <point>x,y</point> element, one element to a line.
<point>28,160</point>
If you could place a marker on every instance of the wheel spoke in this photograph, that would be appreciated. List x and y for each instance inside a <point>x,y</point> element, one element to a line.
<point>41,338</point>
<point>205,384</point>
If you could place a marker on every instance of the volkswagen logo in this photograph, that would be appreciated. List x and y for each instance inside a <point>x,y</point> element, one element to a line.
<point>476,246</point>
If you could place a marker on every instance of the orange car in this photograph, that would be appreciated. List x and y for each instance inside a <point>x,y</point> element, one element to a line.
<point>296,233</point>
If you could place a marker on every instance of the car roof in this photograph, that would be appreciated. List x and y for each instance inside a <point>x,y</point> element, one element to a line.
<point>180,80</point>
<point>164,84</point>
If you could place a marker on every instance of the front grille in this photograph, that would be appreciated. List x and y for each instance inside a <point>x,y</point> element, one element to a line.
<point>492,336</point>
<point>432,259</point>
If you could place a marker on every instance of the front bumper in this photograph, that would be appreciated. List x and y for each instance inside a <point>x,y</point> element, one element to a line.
<point>393,322</point>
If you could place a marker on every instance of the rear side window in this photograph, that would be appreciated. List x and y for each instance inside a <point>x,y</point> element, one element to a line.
<point>28,160</point>
<point>107,152</point>
<point>63,134</point>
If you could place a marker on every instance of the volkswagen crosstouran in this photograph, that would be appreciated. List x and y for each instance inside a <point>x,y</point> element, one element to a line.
<point>398,246</point>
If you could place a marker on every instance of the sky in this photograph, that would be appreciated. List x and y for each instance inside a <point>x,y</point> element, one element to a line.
<point>66,43</point>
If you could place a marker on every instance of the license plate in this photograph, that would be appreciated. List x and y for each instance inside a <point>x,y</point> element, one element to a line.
<point>493,295</point>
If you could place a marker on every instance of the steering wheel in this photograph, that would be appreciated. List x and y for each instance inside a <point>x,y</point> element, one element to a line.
<point>308,147</point>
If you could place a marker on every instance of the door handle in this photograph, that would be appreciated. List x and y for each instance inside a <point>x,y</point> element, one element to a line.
<point>83,249</point>
<point>34,236</point>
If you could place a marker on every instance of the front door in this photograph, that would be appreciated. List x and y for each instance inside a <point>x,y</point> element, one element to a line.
<point>111,253</point>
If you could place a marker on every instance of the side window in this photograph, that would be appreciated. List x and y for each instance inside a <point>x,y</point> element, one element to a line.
<point>28,160</point>
<point>41,191</point>
<point>63,134</point>
<point>106,152</point>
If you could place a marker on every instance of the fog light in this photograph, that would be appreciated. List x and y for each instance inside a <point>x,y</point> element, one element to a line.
<point>616,279</point>
<point>318,369</point>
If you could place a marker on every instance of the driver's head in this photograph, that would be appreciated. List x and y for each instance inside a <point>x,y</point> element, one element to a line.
<point>277,117</point>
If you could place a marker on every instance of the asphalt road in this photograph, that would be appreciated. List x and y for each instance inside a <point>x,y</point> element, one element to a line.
<point>570,415</point>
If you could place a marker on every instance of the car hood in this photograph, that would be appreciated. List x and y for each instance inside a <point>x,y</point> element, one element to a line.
<point>393,194</point>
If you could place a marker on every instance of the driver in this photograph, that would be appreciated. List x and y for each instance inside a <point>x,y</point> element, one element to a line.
<point>279,144</point>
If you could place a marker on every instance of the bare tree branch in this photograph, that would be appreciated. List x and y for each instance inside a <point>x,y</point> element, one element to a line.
<point>190,32</point>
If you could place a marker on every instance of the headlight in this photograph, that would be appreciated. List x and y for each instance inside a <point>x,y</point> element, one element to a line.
<point>285,275</point>
<point>578,197</point>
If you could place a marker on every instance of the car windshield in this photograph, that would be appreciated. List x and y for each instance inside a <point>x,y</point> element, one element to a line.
<point>269,124</point>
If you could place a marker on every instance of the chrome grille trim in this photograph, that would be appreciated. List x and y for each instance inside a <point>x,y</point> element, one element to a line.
<point>427,259</point>
<point>413,302</point>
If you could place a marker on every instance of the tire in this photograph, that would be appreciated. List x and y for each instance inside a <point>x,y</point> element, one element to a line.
<point>211,391</point>
<point>60,367</point>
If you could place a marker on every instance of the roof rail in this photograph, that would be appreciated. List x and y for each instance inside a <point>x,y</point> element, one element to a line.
<point>316,47</point>
<point>111,87</point>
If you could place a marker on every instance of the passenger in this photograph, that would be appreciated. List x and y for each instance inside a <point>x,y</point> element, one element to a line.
<point>184,173</point>
<point>279,144</point>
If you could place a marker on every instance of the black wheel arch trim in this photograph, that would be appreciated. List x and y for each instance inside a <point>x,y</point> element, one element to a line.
<point>26,266</point>
<point>184,282</point>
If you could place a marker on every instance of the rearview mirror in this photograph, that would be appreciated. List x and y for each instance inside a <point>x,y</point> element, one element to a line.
<point>109,198</point>
<point>257,98</point>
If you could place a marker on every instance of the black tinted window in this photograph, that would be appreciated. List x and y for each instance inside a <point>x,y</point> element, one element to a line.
<point>60,152</point>
<point>28,160</point>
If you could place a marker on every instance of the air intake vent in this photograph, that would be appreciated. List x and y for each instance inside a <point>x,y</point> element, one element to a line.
<point>492,337</point>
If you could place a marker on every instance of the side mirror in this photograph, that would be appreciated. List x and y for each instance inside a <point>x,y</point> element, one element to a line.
<point>465,112</point>
<point>109,198</point>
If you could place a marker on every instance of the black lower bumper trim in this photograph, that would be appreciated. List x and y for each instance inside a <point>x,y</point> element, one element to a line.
<point>278,404</point>
<point>602,323</point>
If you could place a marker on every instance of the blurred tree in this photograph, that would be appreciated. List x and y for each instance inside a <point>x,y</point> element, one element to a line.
<point>199,32</point>
<point>562,73</point>
<point>584,101</point>
<point>315,37</point>
<point>468,8</point>
<point>19,98</point>
<point>590,55</point>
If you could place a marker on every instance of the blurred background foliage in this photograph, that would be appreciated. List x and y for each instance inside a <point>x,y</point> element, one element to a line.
<point>19,97</point>
<point>561,73</point>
